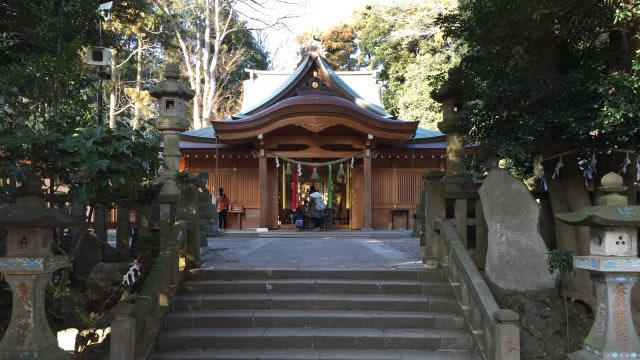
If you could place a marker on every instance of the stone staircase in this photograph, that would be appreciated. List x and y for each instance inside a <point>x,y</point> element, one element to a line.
<point>314,314</point>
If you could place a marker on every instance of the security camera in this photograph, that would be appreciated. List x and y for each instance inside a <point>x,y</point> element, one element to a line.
<point>99,56</point>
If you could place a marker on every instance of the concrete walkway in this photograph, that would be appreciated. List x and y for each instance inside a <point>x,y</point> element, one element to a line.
<point>390,250</point>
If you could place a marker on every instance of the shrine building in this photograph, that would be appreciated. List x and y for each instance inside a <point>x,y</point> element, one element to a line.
<point>315,126</point>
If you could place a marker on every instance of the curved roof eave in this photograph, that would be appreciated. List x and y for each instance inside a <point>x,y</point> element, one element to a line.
<point>320,104</point>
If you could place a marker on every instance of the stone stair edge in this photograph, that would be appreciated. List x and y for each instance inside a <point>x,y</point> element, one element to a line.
<point>315,354</point>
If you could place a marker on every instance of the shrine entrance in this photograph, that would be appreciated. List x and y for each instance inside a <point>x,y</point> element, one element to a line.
<point>330,177</point>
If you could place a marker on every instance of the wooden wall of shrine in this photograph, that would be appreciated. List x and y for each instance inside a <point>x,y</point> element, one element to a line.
<point>396,184</point>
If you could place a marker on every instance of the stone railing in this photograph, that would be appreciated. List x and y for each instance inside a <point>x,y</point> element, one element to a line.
<point>135,327</point>
<point>495,331</point>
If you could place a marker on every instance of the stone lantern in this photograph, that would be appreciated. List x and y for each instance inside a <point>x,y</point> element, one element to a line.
<point>454,128</point>
<point>171,122</point>
<point>28,268</point>
<point>613,264</point>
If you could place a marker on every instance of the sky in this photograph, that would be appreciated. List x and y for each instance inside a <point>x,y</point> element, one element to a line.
<point>312,15</point>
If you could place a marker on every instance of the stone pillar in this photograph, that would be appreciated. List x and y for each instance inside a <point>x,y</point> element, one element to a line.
<point>29,335</point>
<point>123,333</point>
<point>455,154</point>
<point>27,268</point>
<point>434,209</point>
<point>171,157</point>
<point>507,336</point>
<point>189,213</point>
<point>613,329</point>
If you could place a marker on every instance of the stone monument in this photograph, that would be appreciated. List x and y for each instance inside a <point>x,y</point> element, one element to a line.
<point>516,253</point>
<point>28,268</point>
<point>613,264</point>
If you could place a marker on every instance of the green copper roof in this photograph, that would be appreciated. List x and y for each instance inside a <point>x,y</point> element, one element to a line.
<point>359,100</point>
<point>279,91</point>
<point>297,74</point>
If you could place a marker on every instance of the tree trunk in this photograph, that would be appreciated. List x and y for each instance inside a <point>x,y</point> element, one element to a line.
<point>123,232</point>
<point>568,193</point>
<point>143,220</point>
<point>136,109</point>
<point>100,222</point>
<point>112,96</point>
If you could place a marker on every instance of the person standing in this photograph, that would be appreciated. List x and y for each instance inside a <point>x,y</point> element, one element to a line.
<point>222,207</point>
<point>316,207</point>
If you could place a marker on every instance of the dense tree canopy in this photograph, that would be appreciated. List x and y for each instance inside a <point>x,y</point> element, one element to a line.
<point>403,42</point>
<point>550,76</point>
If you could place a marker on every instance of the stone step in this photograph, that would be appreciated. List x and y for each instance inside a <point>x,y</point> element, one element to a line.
<point>313,319</point>
<point>313,338</point>
<point>300,354</point>
<point>316,302</point>
<point>255,274</point>
<point>315,286</point>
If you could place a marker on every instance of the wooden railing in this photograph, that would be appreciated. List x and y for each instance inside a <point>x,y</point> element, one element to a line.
<point>136,325</point>
<point>495,331</point>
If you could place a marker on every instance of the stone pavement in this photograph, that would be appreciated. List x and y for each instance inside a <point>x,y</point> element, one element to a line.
<point>315,251</point>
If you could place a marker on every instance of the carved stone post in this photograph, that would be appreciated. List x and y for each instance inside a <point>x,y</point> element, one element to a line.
<point>434,209</point>
<point>614,267</point>
<point>123,333</point>
<point>27,268</point>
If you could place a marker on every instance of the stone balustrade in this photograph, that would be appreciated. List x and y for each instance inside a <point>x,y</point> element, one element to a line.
<point>136,325</point>
<point>495,331</point>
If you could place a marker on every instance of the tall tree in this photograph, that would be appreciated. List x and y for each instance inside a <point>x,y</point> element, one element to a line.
<point>548,78</point>
<point>201,28</point>
<point>555,81</point>
<point>412,55</point>
<point>339,43</point>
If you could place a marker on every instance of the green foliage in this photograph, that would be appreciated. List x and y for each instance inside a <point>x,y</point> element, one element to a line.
<point>107,165</point>
<point>561,261</point>
<point>411,54</point>
<point>548,76</point>
<point>183,178</point>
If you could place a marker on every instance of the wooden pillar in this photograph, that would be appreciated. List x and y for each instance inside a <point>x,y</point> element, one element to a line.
<point>264,198</point>
<point>366,192</point>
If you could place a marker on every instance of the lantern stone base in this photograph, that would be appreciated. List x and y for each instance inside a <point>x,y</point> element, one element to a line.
<point>613,335</point>
<point>29,335</point>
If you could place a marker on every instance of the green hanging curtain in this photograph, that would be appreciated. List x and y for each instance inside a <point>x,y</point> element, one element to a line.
<point>330,182</point>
